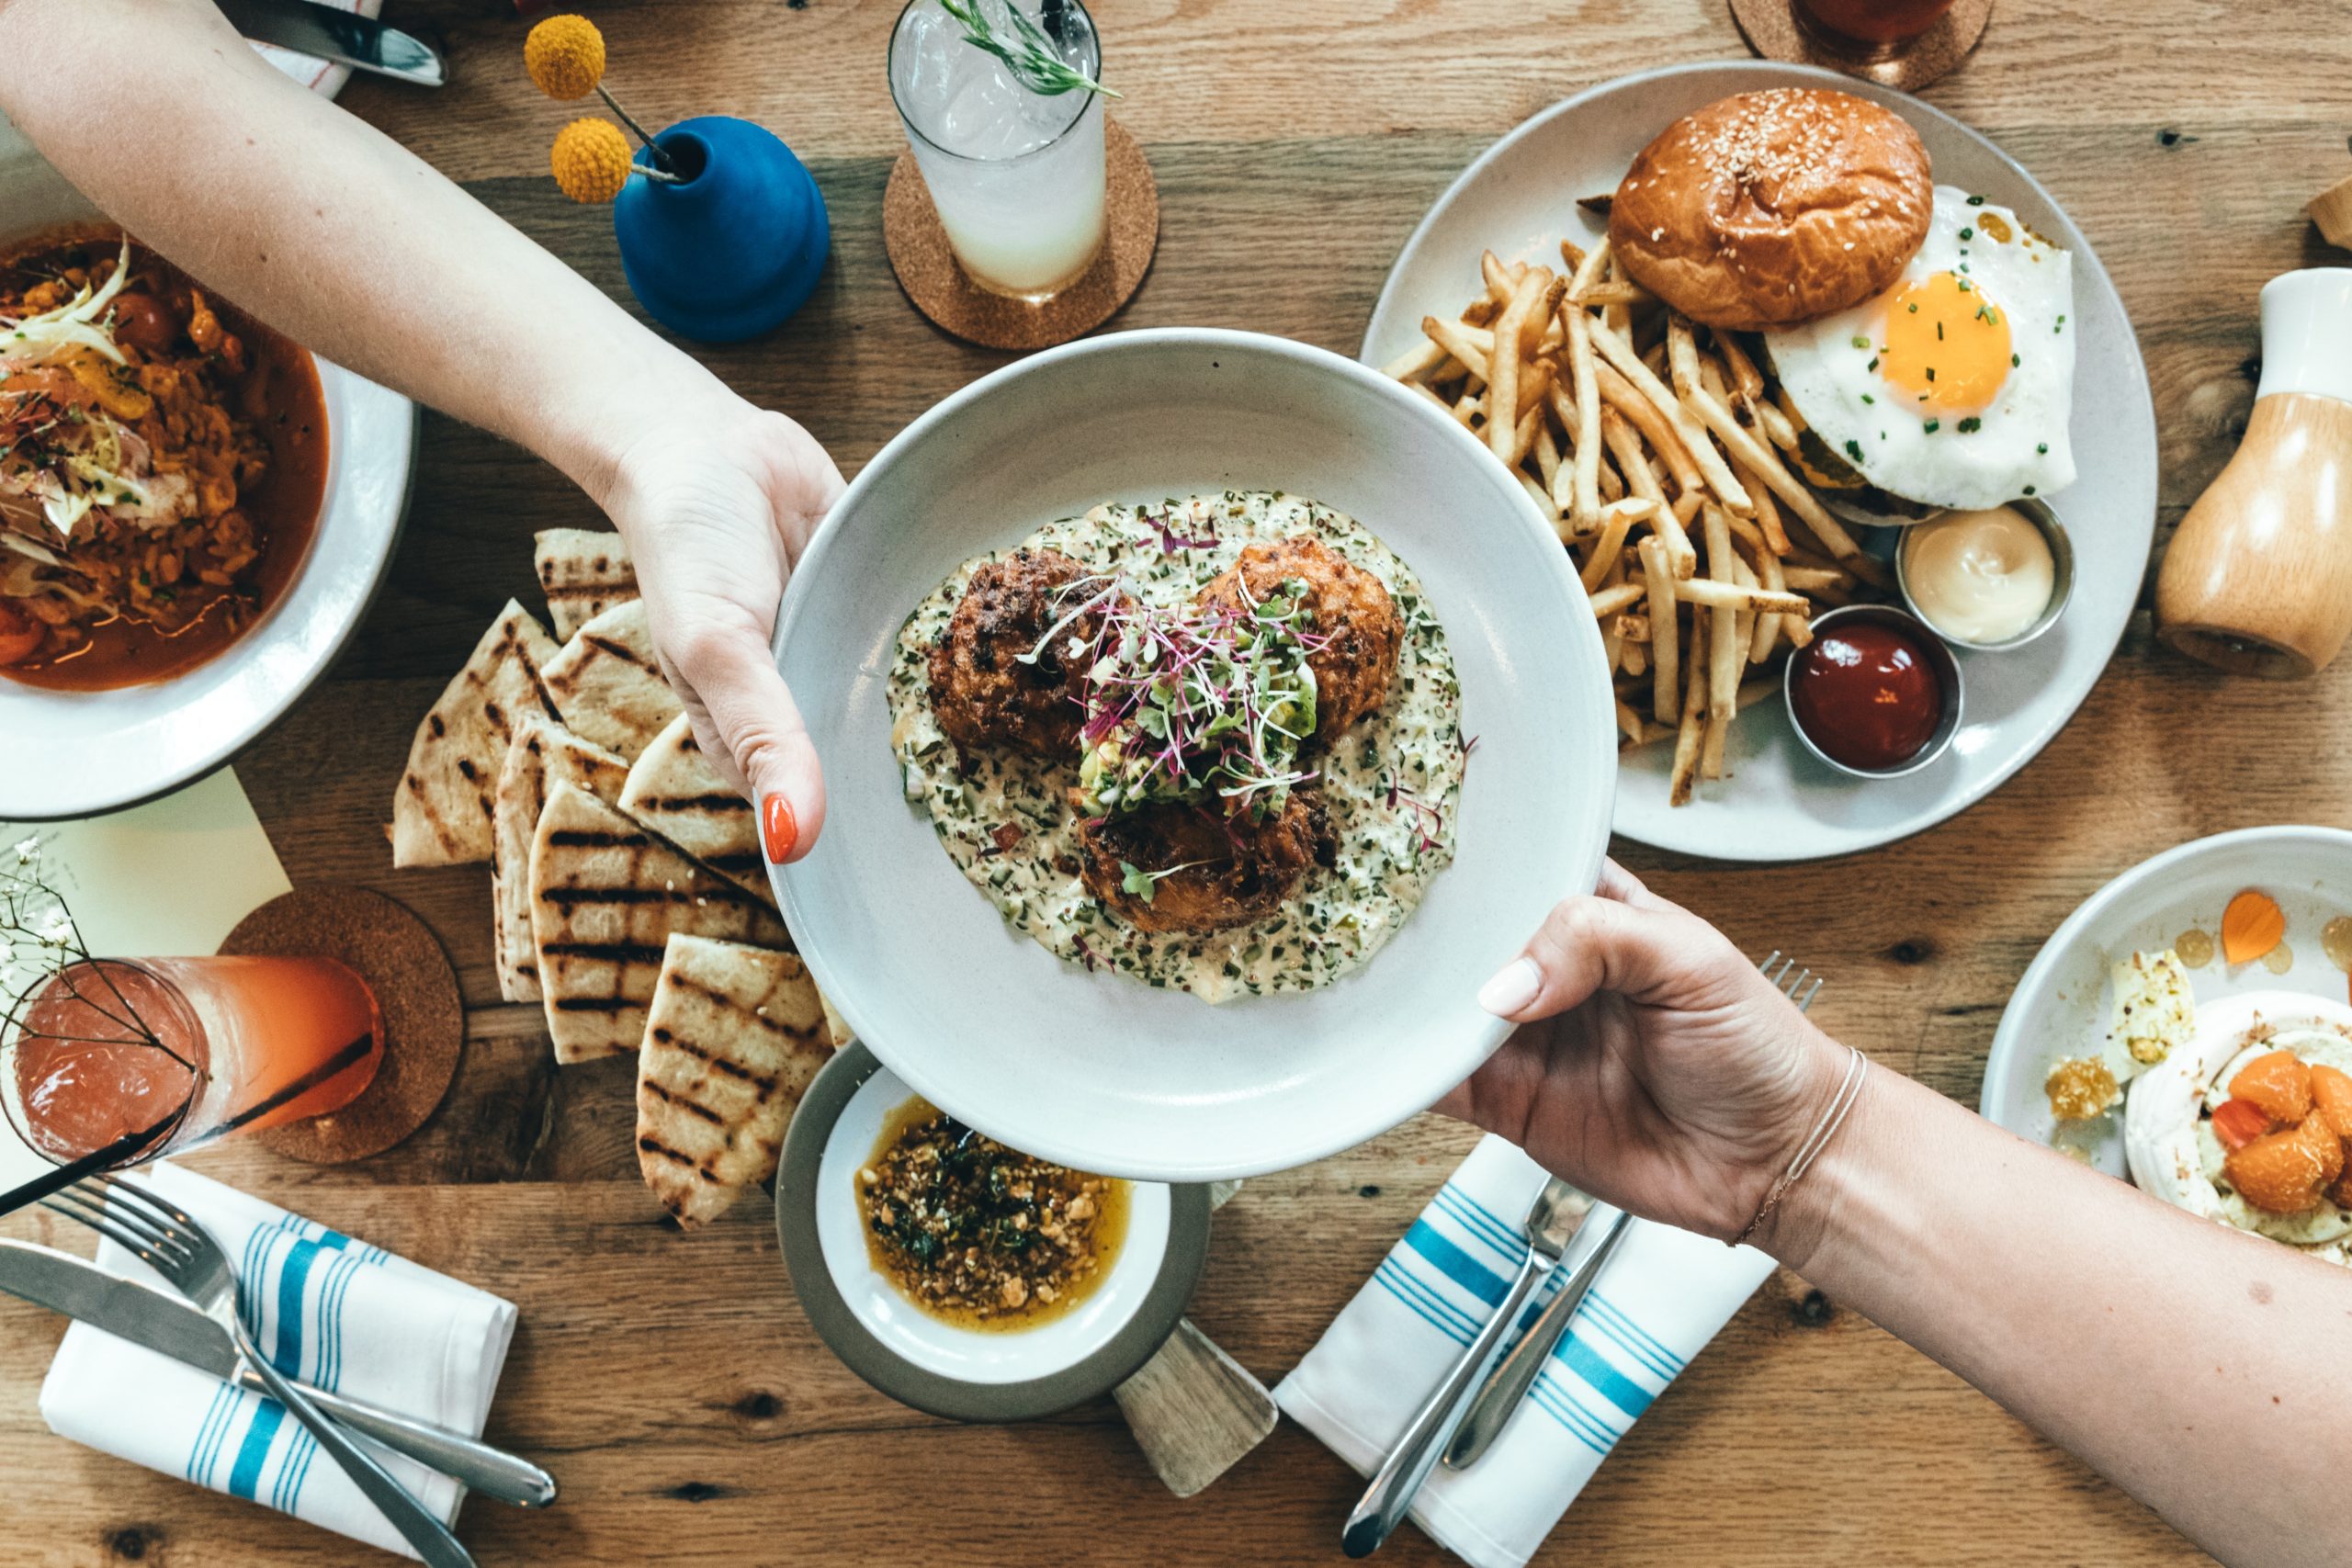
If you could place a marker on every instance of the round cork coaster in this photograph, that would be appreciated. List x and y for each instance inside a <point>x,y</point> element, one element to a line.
<point>424,1018</point>
<point>928,271</point>
<point>1773,31</point>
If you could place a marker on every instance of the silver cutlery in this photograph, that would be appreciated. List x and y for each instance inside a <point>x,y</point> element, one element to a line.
<point>165,1324</point>
<point>321,31</point>
<point>170,1240</point>
<point>1596,1242</point>
<point>1789,980</point>
<point>1552,1221</point>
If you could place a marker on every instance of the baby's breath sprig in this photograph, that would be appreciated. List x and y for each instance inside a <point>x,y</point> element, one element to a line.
<point>1031,56</point>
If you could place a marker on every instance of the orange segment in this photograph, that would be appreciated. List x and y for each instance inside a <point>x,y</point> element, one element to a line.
<point>2285,1172</point>
<point>2279,1083</point>
<point>2332,1092</point>
<point>2252,926</point>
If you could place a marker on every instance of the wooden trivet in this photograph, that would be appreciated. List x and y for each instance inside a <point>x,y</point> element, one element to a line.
<point>1772,32</point>
<point>928,271</point>
<point>424,1018</point>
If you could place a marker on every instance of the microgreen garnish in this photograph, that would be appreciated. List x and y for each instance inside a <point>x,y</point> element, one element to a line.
<point>1144,884</point>
<point>1171,541</point>
<point>1185,704</point>
<point>1031,56</point>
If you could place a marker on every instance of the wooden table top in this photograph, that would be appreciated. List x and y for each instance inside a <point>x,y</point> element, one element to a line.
<point>671,1382</point>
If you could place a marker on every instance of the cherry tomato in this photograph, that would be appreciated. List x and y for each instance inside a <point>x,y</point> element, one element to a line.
<point>2238,1122</point>
<point>20,635</point>
<point>142,323</point>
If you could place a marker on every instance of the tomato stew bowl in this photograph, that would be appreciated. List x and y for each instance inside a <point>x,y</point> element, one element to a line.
<point>70,753</point>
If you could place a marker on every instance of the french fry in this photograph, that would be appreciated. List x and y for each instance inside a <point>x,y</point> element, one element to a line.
<point>1722,643</point>
<point>1416,363</point>
<point>1745,378</point>
<point>1710,748</point>
<point>1546,454</point>
<point>1625,445</point>
<point>1572,254</point>
<point>1682,775</point>
<point>1621,394</point>
<point>1467,344</point>
<point>1664,619</point>
<point>1766,634</point>
<point>1814,579</point>
<point>1503,364</point>
<point>1717,595</point>
<point>1632,628</point>
<point>1672,526</point>
<point>1778,428</point>
<point>1617,596</point>
<point>1616,520</point>
<point>1587,477</point>
<point>1711,464</point>
<point>1637,658</point>
<point>1630,723</point>
<point>1768,511</point>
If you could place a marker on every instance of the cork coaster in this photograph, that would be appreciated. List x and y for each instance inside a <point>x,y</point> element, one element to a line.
<point>928,272</point>
<point>1773,31</point>
<point>425,1021</point>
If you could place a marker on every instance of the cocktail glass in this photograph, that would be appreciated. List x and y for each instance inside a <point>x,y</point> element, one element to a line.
<point>1867,29</point>
<point>164,1055</point>
<point>1016,176</point>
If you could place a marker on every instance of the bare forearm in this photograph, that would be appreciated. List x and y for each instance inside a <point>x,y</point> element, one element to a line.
<point>330,232</point>
<point>2199,1368</point>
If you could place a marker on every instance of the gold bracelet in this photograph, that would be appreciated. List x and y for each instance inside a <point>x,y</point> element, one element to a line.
<point>1849,1089</point>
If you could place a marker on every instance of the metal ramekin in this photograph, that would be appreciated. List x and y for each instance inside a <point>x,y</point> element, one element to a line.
<point>1939,659</point>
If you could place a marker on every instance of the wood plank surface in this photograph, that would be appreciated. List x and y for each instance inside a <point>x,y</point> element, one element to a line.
<point>672,1382</point>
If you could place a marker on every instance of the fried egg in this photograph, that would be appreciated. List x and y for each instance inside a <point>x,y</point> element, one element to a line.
<point>1953,388</point>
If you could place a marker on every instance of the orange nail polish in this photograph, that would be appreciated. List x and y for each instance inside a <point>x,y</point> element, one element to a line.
<point>777,827</point>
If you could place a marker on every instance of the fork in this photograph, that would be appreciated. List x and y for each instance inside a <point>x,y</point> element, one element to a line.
<point>1789,980</point>
<point>1553,1222</point>
<point>170,1240</point>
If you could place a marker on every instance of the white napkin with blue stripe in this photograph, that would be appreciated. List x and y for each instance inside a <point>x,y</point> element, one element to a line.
<point>1659,1300</point>
<point>328,1311</point>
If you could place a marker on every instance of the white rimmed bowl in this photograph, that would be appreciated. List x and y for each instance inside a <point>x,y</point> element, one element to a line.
<point>79,753</point>
<point>2060,1006</point>
<point>1097,1071</point>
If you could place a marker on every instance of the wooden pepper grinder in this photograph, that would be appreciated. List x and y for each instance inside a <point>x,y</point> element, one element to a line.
<point>2259,579</point>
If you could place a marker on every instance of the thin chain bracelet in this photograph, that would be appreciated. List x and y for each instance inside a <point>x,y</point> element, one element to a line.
<point>1849,1089</point>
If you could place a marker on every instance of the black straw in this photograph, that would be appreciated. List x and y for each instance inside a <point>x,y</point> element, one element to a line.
<point>90,1164</point>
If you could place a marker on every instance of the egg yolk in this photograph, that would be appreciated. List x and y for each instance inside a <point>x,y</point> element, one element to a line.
<point>1947,346</point>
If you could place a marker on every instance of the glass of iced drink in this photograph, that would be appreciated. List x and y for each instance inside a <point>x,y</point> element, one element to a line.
<point>1016,175</point>
<point>170,1053</point>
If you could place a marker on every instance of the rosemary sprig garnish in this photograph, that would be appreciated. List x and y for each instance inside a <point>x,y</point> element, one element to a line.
<point>1030,56</point>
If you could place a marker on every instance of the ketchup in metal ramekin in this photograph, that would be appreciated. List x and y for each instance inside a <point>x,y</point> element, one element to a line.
<point>1866,692</point>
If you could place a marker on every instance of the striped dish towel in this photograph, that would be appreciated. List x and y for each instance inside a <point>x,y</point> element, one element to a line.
<point>328,1311</point>
<point>1659,1300</point>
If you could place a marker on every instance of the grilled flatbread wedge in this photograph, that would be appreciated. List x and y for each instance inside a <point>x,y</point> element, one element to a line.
<point>583,573</point>
<point>606,685</point>
<point>544,754</point>
<point>605,896</point>
<point>673,790</point>
<point>441,813</point>
<point>731,1040</point>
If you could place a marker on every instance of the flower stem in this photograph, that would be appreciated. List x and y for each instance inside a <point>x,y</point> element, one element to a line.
<point>660,159</point>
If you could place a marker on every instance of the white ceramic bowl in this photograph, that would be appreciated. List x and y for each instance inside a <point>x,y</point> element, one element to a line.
<point>80,753</point>
<point>1097,1071</point>
<point>2061,1007</point>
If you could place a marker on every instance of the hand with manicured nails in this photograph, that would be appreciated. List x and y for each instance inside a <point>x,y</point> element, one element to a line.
<point>717,510</point>
<point>1655,1066</point>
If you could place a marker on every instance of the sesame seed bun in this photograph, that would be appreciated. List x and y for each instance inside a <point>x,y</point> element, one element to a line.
<point>1767,209</point>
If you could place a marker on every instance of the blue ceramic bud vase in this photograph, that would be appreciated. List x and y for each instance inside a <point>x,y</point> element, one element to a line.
<point>735,245</point>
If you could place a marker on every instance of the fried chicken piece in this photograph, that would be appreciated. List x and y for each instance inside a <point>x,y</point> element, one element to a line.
<point>1233,870</point>
<point>981,691</point>
<point>1352,609</point>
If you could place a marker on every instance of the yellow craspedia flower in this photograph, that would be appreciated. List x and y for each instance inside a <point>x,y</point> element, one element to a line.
<point>591,160</point>
<point>565,56</point>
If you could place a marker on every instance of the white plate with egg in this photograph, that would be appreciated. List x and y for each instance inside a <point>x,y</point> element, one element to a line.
<point>1779,803</point>
<point>2063,1008</point>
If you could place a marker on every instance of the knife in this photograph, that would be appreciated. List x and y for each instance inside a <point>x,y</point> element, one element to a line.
<point>1596,1242</point>
<point>165,1324</point>
<point>330,34</point>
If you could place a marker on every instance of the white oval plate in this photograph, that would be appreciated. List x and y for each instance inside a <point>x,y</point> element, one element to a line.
<point>1094,1070</point>
<point>2060,1009</point>
<point>80,753</point>
<point>1519,199</point>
